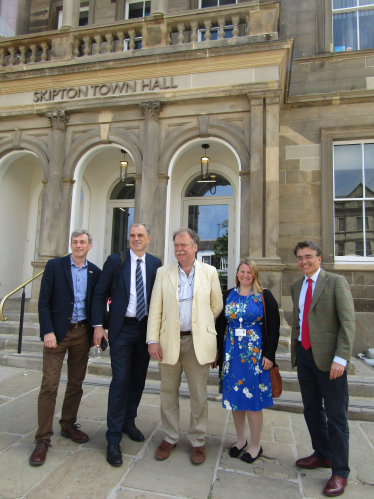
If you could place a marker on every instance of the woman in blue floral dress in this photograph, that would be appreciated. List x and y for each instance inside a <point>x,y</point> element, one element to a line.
<point>245,355</point>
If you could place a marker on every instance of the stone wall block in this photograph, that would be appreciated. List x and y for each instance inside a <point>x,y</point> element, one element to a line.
<point>263,21</point>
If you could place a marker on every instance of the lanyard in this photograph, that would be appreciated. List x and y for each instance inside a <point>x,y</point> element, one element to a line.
<point>245,303</point>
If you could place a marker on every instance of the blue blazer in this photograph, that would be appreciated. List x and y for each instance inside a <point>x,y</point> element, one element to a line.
<point>121,296</point>
<point>56,298</point>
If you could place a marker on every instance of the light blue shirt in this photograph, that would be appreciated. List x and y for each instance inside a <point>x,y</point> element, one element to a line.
<point>185,295</point>
<point>79,276</point>
<point>303,291</point>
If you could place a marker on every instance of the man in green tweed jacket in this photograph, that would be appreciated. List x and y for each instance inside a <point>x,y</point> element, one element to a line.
<point>321,345</point>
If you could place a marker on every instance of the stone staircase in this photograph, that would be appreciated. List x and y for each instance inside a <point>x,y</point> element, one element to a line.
<point>361,377</point>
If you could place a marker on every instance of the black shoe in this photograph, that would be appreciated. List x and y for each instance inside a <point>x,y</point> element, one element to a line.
<point>235,452</point>
<point>247,458</point>
<point>133,432</point>
<point>114,455</point>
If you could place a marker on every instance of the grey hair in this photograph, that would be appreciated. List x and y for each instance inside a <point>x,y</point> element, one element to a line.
<point>193,235</point>
<point>79,232</point>
<point>307,244</point>
<point>136,224</point>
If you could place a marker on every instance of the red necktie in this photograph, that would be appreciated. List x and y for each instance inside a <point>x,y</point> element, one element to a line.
<point>305,337</point>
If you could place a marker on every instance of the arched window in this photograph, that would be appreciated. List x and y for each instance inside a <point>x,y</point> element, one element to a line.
<point>215,185</point>
<point>124,190</point>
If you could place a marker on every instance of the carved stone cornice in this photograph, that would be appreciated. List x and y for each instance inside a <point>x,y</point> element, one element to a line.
<point>163,178</point>
<point>151,110</point>
<point>58,119</point>
<point>244,173</point>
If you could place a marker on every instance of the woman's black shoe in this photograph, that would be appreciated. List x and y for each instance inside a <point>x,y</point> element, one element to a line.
<point>247,458</point>
<point>235,452</point>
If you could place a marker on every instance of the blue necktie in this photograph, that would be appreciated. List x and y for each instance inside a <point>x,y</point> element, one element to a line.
<point>140,302</point>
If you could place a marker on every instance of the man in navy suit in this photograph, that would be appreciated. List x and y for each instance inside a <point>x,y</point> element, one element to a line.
<point>127,334</point>
<point>64,313</point>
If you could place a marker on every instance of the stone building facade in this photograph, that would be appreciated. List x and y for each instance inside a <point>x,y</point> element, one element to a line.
<point>282,92</point>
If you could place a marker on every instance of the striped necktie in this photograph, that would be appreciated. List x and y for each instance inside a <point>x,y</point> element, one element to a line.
<point>305,336</point>
<point>140,302</point>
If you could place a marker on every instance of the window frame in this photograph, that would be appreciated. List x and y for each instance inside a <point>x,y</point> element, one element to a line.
<point>134,1</point>
<point>329,137</point>
<point>344,10</point>
<point>218,5</point>
<point>56,7</point>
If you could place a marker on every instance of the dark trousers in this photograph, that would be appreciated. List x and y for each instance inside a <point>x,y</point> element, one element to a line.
<point>76,343</point>
<point>325,411</point>
<point>129,359</point>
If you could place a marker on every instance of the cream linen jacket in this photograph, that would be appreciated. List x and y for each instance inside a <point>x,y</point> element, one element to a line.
<point>163,317</point>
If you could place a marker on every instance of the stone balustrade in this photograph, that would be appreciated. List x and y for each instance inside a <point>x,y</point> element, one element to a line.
<point>257,20</point>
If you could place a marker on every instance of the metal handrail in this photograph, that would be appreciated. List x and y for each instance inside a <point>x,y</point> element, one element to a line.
<point>23,299</point>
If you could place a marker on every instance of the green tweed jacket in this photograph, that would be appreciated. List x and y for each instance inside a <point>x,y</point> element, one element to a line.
<point>331,320</point>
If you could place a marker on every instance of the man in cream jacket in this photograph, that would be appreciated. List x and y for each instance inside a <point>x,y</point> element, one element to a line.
<point>181,335</point>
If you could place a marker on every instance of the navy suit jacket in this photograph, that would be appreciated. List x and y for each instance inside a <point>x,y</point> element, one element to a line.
<point>121,295</point>
<point>56,298</point>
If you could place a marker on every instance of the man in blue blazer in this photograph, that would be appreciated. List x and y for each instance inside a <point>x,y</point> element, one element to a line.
<point>127,334</point>
<point>64,313</point>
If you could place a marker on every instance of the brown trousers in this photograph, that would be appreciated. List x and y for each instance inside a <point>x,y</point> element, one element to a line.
<point>78,347</point>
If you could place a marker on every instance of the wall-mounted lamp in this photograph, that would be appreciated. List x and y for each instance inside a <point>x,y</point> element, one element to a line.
<point>123,167</point>
<point>205,162</point>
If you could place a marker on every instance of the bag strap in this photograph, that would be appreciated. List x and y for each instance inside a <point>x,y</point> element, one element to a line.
<point>119,270</point>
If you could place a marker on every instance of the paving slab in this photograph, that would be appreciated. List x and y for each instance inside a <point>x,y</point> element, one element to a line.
<point>313,488</point>
<point>18,477</point>
<point>6,440</point>
<point>265,436</point>
<point>81,476</point>
<point>7,372</point>
<point>20,383</point>
<point>368,429</point>
<point>127,493</point>
<point>177,475</point>
<point>94,405</point>
<point>361,456</point>
<point>277,461</point>
<point>241,486</point>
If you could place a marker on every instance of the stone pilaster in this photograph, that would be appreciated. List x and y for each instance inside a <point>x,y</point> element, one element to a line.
<point>70,14</point>
<point>55,215</point>
<point>256,186</point>
<point>149,209</point>
<point>245,207</point>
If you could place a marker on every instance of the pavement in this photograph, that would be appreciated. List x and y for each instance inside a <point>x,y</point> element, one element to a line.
<point>80,471</point>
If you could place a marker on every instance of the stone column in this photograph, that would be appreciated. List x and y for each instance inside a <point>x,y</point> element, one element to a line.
<point>56,203</point>
<point>256,185</point>
<point>159,7</point>
<point>245,207</point>
<point>149,211</point>
<point>70,13</point>
<point>53,228</point>
<point>272,178</point>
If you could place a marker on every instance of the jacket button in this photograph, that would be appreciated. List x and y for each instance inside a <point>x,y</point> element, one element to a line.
<point>72,303</point>
<point>69,318</point>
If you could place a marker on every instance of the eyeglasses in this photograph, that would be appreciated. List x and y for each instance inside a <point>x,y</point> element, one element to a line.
<point>306,257</point>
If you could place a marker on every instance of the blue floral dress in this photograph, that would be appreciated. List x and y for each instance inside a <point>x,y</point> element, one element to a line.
<point>244,385</point>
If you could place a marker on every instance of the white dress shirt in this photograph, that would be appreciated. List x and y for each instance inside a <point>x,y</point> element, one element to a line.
<point>131,307</point>
<point>185,295</point>
<point>303,291</point>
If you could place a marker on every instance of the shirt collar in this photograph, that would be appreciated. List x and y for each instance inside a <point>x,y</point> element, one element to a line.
<point>314,277</point>
<point>73,264</point>
<point>192,270</point>
<point>134,257</point>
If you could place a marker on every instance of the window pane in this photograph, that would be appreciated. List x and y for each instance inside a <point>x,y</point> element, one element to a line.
<point>122,219</point>
<point>199,188</point>
<point>83,18</point>
<point>369,169</point>
<point>226,2</point>
<point>366,20</point>
<point>208,3</point>
<point>348,171</point>
<point>147,9</point>
<point>343,4</point>
<point>135,10</point>
<point>124,191</point>
<point>341,224</point>
<point>347,240</point>
<point>366,2</point>
<point>369,220</point>
<point>345,31</point>
<point>359,223</point>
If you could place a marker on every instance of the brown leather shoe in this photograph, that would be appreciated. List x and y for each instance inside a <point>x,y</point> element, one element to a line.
<point>75,434</point>
<point>312,462</point>
<point>198,455</point>
<point>39,454</point>
<point>163,450</point>
<point>335,486</point>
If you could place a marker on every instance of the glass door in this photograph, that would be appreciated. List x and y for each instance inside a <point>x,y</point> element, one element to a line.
<point>120,217</point>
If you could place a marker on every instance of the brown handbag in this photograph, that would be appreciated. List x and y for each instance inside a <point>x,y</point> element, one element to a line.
<point>275,377</point>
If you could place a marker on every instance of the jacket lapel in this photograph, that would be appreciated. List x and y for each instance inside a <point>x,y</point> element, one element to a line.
<point>67,268</point>
<point>174,278</point>
<point>89,285</point>
<point>320,286</point>
<point>149,272</point>
<point>127,271</point>
<point>199,276</point>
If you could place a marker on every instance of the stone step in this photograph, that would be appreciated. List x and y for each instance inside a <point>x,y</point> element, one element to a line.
<point>285,331</point>
<point>12,328</point>
<point>28,316</point>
